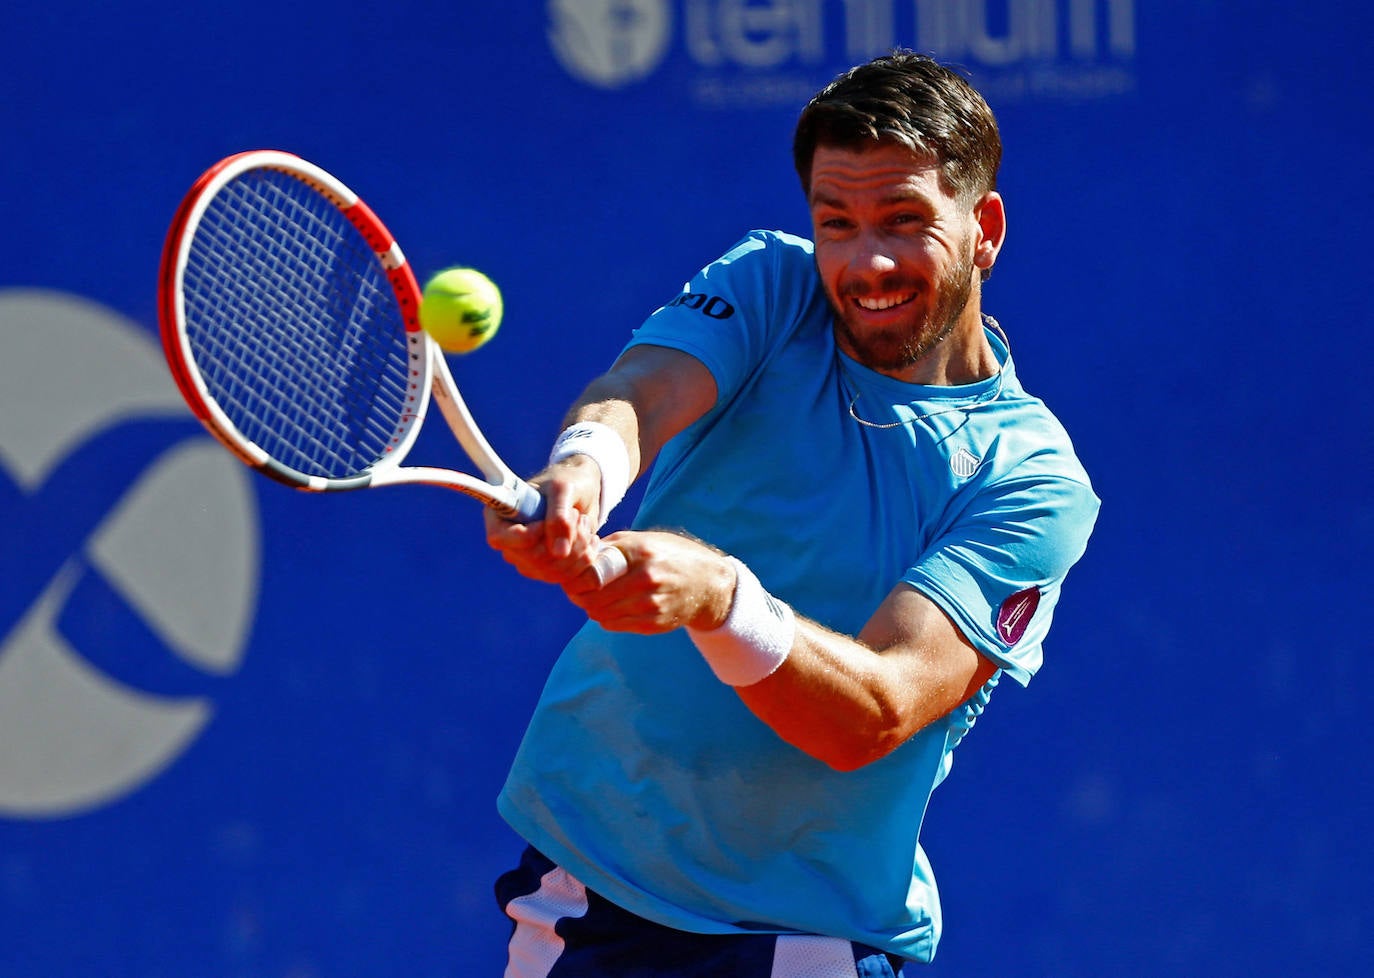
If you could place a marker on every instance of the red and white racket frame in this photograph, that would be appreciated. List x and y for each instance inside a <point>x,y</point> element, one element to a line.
<point>428,369</point>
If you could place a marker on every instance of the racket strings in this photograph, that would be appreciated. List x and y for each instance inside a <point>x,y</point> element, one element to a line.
<point>295,327</point>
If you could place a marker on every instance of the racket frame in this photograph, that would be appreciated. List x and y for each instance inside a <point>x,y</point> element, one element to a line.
<point>428,371</point>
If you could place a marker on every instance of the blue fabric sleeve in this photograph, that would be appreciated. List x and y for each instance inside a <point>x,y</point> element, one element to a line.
<point>1018,536</point>
<point>733,313</point>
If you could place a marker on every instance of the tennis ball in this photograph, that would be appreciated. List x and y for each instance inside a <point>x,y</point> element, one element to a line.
<point>461,308</point>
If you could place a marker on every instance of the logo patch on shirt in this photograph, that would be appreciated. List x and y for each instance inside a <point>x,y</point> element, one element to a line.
<point>708,305</point>
<point>1016,613</point>
<point>963,463</point>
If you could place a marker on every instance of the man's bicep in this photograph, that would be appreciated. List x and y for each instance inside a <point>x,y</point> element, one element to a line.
<point>932,652</point>
<point>668,388</point>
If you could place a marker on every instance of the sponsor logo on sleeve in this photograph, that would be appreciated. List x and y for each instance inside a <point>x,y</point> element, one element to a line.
<point>708,305</point>
<point>1015,615</point>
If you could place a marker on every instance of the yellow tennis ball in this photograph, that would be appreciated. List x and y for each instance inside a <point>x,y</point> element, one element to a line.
<point>461,308</point>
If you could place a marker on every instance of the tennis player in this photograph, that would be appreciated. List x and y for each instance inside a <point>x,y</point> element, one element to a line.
<point>857,523</point>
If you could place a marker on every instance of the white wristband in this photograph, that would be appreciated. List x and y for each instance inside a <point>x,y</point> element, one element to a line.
<point>604,446</point>
<point>755,638</point>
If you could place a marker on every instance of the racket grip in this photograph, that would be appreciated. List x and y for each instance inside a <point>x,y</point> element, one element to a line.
<point>529,503</point>
<point>610,561</point>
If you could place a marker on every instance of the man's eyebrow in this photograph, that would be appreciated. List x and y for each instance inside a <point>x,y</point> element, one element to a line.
<point>823,199</point>
<point>912,196</point>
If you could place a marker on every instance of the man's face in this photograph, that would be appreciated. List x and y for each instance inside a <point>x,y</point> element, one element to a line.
<point>895,253</point>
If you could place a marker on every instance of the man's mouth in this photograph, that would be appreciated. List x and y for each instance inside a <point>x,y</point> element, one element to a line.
<point>878,303</point>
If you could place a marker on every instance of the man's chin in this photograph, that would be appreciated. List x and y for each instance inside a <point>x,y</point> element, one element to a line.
<point>888,350</point>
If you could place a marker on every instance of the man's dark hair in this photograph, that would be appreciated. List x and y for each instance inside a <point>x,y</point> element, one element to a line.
<point>912,100</point>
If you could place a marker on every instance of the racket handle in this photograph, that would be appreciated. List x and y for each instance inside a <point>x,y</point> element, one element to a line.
<point>529,503</point>
<point>610,561</point>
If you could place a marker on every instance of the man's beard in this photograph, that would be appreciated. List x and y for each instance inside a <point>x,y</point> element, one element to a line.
<point>905,344</point>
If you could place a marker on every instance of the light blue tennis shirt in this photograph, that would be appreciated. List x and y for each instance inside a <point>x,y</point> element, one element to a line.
<point>647,778</point>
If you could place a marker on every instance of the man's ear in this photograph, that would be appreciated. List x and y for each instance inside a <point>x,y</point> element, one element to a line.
<point>991,216</point>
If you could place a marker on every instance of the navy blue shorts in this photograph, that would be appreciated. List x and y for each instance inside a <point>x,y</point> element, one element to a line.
<point>563,930</point>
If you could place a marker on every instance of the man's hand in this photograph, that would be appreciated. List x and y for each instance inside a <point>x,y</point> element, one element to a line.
<point>560,547</point>
<point>673,581</point>
<point>649,395</point>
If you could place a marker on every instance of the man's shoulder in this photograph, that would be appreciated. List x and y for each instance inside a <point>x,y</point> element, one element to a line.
<point>769,275</point>
<point>782,246</point>
<point>1031,441</point>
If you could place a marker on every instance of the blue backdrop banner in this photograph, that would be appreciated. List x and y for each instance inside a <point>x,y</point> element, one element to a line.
<point>250,732</point>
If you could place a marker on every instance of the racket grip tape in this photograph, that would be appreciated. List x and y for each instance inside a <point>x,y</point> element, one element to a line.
<point>529,503</point>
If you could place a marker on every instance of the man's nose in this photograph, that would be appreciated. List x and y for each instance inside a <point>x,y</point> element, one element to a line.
<point>872,255</point>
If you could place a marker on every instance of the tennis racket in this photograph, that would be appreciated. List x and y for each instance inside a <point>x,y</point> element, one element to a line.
<point>289,319</point>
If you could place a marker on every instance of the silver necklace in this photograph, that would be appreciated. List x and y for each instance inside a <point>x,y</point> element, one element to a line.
<point>981,399</point>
